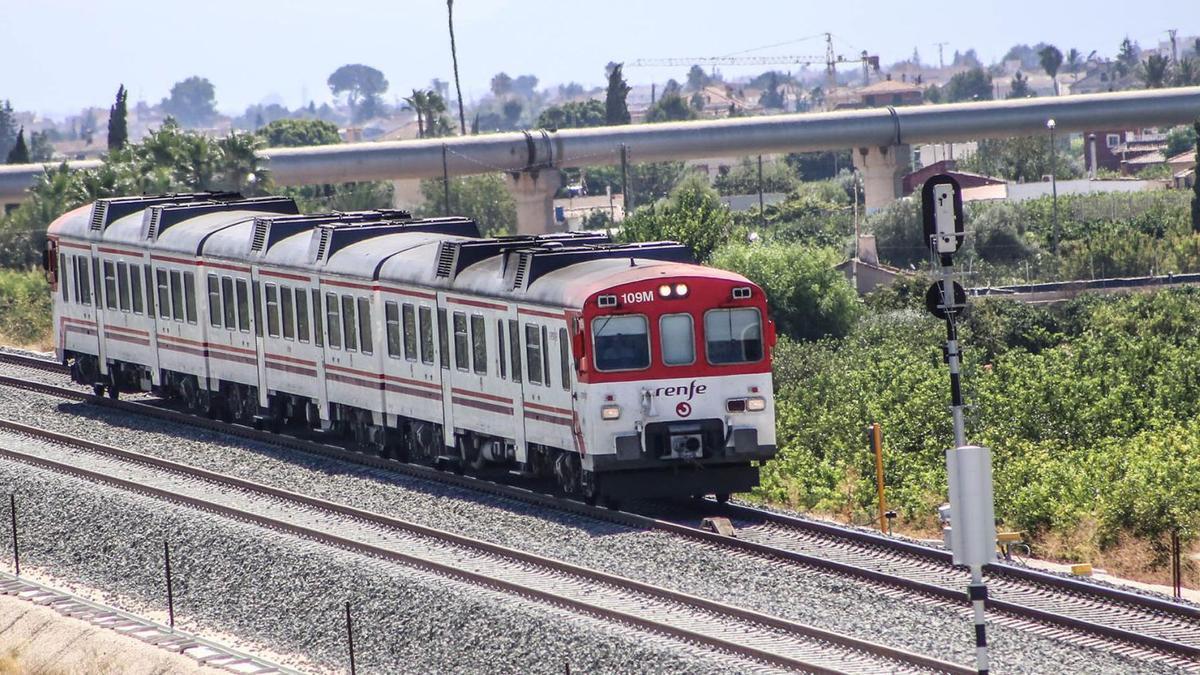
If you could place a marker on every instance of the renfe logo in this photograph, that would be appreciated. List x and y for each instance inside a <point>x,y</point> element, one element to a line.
<point>690,390</point>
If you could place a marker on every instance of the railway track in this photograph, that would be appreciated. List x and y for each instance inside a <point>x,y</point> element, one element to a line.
<point>1129,623</point>
<point>755,636</point>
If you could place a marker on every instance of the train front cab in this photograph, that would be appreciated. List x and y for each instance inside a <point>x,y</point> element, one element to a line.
<point>675,393</point>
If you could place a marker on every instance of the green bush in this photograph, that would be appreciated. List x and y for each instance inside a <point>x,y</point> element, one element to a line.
<point>25,310</point>
<point>809,299</point>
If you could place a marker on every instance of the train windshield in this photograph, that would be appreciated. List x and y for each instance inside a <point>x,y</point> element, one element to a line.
<point>733,336</point>
<point>621,342</point>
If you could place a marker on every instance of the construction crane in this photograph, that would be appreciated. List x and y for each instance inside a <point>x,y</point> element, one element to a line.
<point>830,59</point>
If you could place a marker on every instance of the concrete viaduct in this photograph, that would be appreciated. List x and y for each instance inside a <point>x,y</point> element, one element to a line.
<point>880,139</point>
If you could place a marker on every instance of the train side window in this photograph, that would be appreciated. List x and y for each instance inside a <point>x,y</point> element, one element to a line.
<point>318,319</point>
<point>410,331</point>
<point>164,294</point>
<point>426,323</point>
<point>272,310</point>
<point>461,359</point>
<point>546,356</point>
<point>366,336</point>
<point>514,349</point>
<point>189,294</point>
<point>333,320</point>
<point>391,316</point>
<point>63,276</point>
<point>177,295</point>
<point>564,355</point>
<point>84,278</point>
<point>214,301</point>
<point>257,299</point>
<point>135,288</point>
<point>123,285</point>
<point>533,353</point>
<point>501,359</point>
<point>228,304</point>
<point>96,283</point>
<point>443,341</point>
<point>148,277</point>
<point>479,344</point>
<point>349,326</point>
<point>110,285</point>
<point>301,315</point>
<point>288,308</point>
<point>243,306</point>
<point>75,279</point>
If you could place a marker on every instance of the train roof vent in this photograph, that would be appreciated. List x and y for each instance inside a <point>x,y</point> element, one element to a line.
<point>322,242</point>
<point>105,211</point>
<point>99,211</point>
<point>533,263</point>
<point>522,269</point>
<point>340,235</point>
<point>456,256</point>
<point>258,241</point>
<point>447,252</point>
<point>150,222</point>
<point>173,214</point>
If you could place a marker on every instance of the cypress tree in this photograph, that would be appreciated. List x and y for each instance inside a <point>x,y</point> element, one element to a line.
<point>118,130</point>
<point>615,110</point>
<point>20,152</point>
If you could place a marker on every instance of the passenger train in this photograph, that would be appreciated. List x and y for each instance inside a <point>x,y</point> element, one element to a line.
<point>617,370</point>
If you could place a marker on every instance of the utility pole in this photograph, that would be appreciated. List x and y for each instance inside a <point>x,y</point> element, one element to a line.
<point>941,59</point>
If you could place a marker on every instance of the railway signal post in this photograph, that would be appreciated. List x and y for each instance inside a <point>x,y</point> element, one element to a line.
<point>972,534</point>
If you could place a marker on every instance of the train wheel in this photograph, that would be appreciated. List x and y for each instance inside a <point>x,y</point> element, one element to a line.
<point>722,497</point>
<point>98,389</point>
<point>568,472</point>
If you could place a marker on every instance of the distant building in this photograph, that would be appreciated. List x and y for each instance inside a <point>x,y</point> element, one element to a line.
<point>879,94</point>
<point>966,180</point>
<point>1117,146</point>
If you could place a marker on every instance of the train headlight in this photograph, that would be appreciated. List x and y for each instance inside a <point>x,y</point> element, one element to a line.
<point>665,290</point>
<point>756,404</point>
<point>611,411</point>
<point>736,405</point>
<point>681,290</point>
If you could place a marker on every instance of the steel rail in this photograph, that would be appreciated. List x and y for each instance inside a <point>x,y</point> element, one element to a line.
<point>799,132</point>
<point>721,609</point>
<point>638,520</point>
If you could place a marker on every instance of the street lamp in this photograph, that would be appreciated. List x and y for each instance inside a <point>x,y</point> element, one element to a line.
<point>1053,185</point>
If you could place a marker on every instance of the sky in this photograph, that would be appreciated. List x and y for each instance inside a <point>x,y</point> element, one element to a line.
<point>61,55</point>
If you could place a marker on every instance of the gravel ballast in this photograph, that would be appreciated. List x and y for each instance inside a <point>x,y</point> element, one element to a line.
<point>806,595</point>
<point>288,593</point>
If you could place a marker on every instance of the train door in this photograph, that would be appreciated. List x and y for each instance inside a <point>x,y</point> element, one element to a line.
<point>508,339</point>
<point>444,339</point>
<point>548,406</point>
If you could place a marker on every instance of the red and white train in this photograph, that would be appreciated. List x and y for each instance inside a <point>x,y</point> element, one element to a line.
<point>619,369</point>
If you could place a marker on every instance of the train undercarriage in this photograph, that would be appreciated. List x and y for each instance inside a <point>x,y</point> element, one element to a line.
<point>407,440</point>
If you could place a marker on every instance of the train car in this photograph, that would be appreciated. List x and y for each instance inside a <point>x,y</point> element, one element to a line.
<point>618,370</point>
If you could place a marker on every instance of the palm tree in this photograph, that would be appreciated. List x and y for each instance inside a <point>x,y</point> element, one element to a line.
<point>1153,71</point>
<point>417,102</point>
<point>462,118</point>
<point>1187,72</point>
<point>1074,61</point>
<point>1051,59</point>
